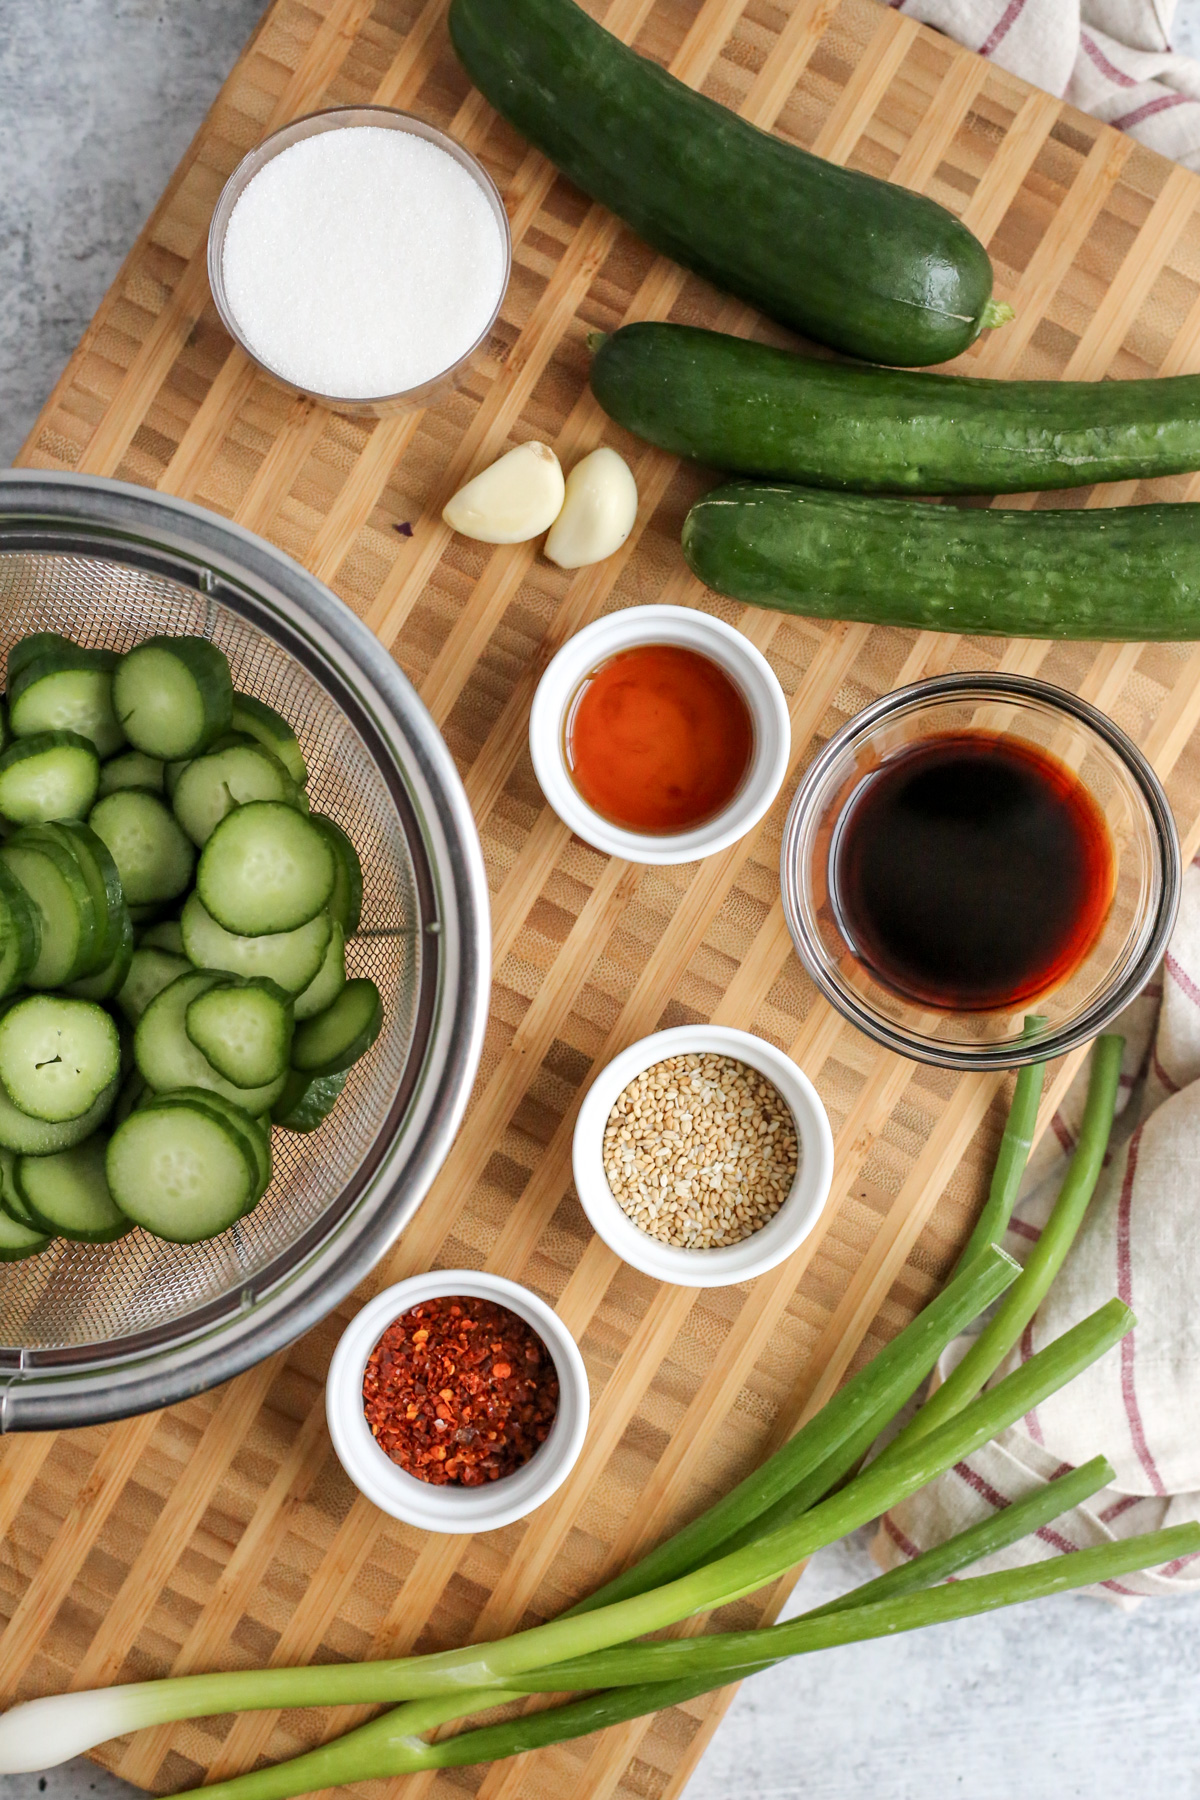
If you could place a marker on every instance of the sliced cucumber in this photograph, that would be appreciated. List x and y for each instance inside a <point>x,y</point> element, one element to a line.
<point>256,1138</point>
<point>168,1059</point>
<point>51,776</point>
<point>341,1034</point>
<point>62,904</point>
<point>265,869</point>
<point>307,1100</point>
<point>11,1202</point>
<point>345,902</point>
<point>271,729</point>
<point>166,934</point>
<point>132,770</point>
<point>173,696</point>
<point>212,785</point>
<point>153,856</point>
<point>28,649</point>
<point>150,971</point>
<point>20,933</point>
<point>34,1137</point>
<point>244,1029</point>
<point>99,871</point>
<point>18,1241</point>
<point>57,1055</point>
<point>68,1193</point>
<point>67,690</point>
<point>107,982</point>
<point>328,981</point>
<point>181,1171</point>
<point>291,959</point>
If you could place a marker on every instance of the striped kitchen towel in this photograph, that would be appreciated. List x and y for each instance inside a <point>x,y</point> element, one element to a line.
<point>1140,1404</point>
<point>1112,58</point>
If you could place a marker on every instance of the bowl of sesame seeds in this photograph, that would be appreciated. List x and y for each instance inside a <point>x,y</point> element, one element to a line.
<point>703,1156</point>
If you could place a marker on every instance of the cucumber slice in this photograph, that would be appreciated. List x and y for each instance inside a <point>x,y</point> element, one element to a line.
<point>307,1100</point>
<point>61,903</point>
<point>291,959</point>
<point>67,690</point>
<point>107,982</point>
<point>244,1029</point>
<point>181,1171</point>
<point>51,776</point>
<point>28,649</point>
<point>173,695</point>
<point>34,1137</point>
<point>167,1058</point>
<point>345,902</point>
<point>150,971</point>
<point>95,863</point>
<point>212,785</point>
<point>271,729</point>
<point>256,1138</point>
<point>20,933</point>
<point>11,1202</point>
<point>265,869</point>
<point>67,1193</point>
<point>328,981</point>
<point>153,856</point>
<point>166,934</point>
<point>57,1056</point>
<point>340,1035</point>
<point>18,1241</point>
<point>132,770</point>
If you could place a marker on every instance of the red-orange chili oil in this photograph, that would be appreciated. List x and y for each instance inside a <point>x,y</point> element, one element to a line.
<point>658,739</point>
<point>460,1391</point>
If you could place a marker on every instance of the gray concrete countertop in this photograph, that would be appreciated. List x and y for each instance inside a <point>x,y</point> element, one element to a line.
<point>98,99</point>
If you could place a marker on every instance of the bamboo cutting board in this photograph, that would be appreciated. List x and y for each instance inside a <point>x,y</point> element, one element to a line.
<point>222,1532</point>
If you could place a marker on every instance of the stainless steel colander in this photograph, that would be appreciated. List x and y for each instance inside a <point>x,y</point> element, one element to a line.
<point>92,1332</point>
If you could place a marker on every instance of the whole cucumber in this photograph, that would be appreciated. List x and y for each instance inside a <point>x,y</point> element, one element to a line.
<point>1123,572</point>
<point>754,410</point>
<point>872,269</point>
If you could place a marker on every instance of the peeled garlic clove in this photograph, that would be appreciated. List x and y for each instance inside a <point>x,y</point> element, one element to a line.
<point>518,498</point>
<point>598,512</point>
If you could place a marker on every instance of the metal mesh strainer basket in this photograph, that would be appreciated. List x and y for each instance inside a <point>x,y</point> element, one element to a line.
<point>91,1332</point>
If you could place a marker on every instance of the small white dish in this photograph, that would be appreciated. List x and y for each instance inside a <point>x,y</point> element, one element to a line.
<point>451,1509</point>
<point>733,1262</point>
<point>749,670</point>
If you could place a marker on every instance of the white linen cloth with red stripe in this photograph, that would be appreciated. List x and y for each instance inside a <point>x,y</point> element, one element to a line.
<point>1140,1404</point>
<point>1111,58</point>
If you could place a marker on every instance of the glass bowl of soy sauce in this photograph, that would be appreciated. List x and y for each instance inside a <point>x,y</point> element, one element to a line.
<point>975,850</point>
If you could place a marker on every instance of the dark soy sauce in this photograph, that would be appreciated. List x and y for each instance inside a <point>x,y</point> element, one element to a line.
<point>972,872</point>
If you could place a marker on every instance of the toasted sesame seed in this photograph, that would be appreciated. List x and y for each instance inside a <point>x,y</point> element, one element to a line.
<point>700,1151</point>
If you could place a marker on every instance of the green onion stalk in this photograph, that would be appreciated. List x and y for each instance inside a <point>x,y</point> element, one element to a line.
<point>1013,1154</point>
<point>647,1678</point>
<point>72,1723</point>
<point>1046,1258</point>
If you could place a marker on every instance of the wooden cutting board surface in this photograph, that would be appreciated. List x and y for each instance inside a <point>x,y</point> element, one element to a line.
<point>222,1532</point>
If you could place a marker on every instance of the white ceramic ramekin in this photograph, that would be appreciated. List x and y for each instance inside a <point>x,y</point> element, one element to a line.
<point>453,1509</point>
<point>733,1262</point>
<point>746,667</point>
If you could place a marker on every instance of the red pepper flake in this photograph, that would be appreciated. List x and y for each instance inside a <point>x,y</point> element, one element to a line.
<point>460,1391</point>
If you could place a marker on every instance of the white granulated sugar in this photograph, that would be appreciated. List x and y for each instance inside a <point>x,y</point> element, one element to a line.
<point>362,262</point>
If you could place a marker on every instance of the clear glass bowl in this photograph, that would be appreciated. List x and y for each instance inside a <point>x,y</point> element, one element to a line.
<point>337,119</point>
<point>1146,852</point>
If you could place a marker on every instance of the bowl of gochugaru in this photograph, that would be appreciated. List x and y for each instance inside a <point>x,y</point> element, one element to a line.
<point>243,950</point>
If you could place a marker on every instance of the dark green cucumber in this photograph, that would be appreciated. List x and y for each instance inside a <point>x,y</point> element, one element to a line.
<point>1123,572</point>
<point>755,410</point>
<point>872,269</point>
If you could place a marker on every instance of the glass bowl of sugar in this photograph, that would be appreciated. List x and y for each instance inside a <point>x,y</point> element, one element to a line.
<point>360,256</point>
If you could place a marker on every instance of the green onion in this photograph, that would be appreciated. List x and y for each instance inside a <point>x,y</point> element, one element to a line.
<point>1045,1259</point>
<point>1012,1156</point>
<point>74,1722</point>
<point>833,1440</point>
<point>388,1746</point>
<point>990,1535</point>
